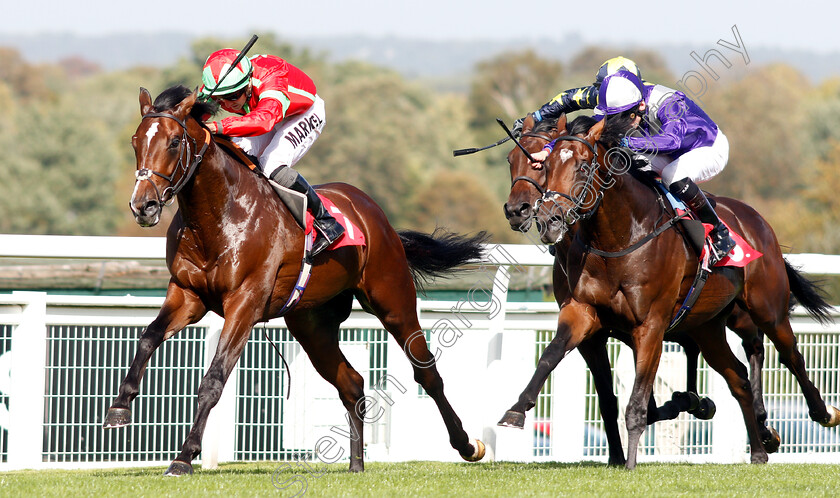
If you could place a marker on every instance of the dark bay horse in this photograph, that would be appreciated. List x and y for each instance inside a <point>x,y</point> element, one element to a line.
<point>639,292</point>
<point>234,249</point>
<point>594,350</point>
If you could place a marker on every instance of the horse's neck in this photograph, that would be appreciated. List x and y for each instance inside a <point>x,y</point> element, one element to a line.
<point>215,186</point>
<point>628,206</point>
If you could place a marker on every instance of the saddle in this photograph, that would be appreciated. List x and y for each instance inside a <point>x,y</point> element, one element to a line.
<point>695,232</point>
<point>295,201</point>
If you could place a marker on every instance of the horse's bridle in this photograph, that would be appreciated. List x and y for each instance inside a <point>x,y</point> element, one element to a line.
<point>572,214</point>
<point>184,155</point>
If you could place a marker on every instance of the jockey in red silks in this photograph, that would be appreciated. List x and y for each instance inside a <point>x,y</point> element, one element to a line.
<point>279,118</point>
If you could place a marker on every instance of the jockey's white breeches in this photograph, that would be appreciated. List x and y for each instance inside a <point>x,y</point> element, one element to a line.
<point>700,164</point>
<point>288,141</point>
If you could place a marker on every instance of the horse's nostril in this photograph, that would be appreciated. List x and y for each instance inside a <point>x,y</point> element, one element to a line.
<point>151,207</point>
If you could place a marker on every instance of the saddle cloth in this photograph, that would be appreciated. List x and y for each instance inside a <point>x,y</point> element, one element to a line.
<point>742,254</point>
<point>353,236</point>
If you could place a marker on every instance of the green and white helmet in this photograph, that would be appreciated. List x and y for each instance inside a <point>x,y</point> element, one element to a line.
<point>215,68</point>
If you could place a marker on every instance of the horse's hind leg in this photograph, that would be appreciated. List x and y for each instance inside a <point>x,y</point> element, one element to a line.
<point>317,332</point>
<point>785,342</point>
<point>394,303</point>
<point>712,342</point>
<point>752,340</point>
<point>180,308</point>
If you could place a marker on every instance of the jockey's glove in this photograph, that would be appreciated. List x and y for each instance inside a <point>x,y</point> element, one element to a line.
<point>517,128</point>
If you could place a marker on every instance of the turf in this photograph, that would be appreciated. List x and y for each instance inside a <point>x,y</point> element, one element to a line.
<point>437,479</point>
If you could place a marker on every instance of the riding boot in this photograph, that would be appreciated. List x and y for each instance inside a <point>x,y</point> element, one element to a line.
<point>328,228</point>
<point>688,192</point>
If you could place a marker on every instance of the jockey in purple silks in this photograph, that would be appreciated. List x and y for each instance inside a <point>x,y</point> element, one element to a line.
<point>679,140</point>
<point>585,97</point>
<point>682,143</point>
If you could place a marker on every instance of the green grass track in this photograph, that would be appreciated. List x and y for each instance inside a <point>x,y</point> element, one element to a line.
<point>501,479</point>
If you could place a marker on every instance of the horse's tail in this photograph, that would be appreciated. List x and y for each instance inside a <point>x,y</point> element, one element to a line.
<point>436,255</point>
<point>809,294</point>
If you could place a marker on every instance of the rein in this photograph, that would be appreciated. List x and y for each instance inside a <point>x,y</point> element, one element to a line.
<point>184,155</point>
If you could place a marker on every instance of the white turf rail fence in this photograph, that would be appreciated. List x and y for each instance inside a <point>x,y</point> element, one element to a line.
<point>62,358</point>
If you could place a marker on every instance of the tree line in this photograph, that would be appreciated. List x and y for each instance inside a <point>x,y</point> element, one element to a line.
<point>68,167</point>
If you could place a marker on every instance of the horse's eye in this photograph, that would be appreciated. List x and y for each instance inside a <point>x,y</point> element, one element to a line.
<point>175,143</point>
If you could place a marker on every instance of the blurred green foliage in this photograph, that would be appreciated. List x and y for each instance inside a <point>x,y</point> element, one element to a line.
<point>68,167</point>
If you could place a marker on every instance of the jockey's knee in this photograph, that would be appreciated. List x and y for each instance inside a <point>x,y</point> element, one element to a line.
<point>283,175</point>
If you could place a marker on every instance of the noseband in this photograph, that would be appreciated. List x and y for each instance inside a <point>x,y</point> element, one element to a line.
<point>572,215</point>
<point>184,155</point>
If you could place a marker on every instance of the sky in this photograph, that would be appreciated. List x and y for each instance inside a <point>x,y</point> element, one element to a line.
<point>808,25</point>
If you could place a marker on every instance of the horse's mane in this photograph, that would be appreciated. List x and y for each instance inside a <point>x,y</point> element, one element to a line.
<point>580,125</point>
<point>173,96</point>
<point>615,128</point>
<point>545,125</point>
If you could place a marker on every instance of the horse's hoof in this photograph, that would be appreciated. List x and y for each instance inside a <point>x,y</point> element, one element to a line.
<point>117,417</point>
<point>178,468</point>
<point>759,457</point>
<point>478,453</point>
<point>513,419</point>
<point>833,417</point>
<point>686,401</point>
<point>771,444</point>
<point>706,410</point>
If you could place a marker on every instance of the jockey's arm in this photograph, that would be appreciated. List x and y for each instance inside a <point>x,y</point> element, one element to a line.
<point>668,138</point>
<point>571,100</point>
<point>261,120</point>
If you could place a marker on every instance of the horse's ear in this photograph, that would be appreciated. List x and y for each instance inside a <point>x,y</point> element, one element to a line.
<point>594,133</point>
<point>561,124</point>
<point>145,101</point>
<point>183,109</point>
<point>528,124</point>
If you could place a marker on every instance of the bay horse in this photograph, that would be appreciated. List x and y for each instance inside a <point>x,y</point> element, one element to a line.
<point>639,291</point>
<point>233,248</point>
<point>594,350</point>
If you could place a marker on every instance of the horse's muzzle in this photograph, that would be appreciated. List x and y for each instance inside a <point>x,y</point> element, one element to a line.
<point>147,214</point>
<point>553,228</point>
<point>520,217</point>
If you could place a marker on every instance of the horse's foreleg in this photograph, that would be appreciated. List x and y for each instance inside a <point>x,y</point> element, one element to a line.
<point>234,336</point>
<point>712,341</point>
<point>575,323</point>
<point>180,308</point>
<point>594,352</point>
<point>647,343</point>
<point>689,400</point>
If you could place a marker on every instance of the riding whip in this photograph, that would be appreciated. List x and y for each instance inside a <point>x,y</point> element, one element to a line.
<point>236,61</point>
<point>510,135</point>
<point>473,150</point>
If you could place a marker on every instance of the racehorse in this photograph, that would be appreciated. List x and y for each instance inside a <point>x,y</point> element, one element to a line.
<point>594,350</point>
<point>234,249</point>
<point>638,291</point>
